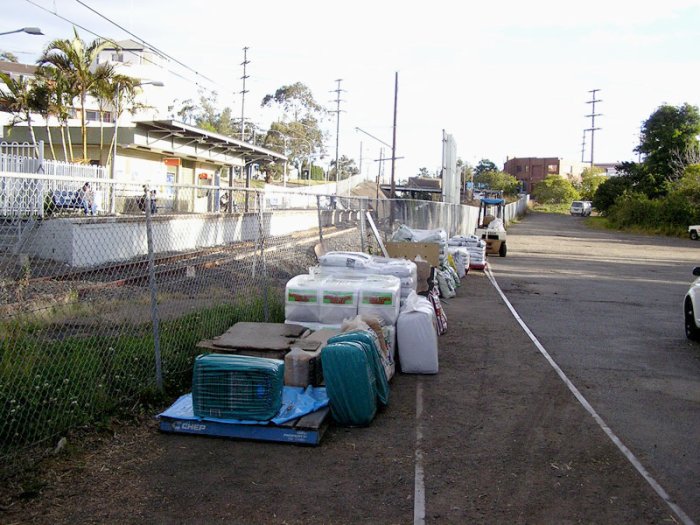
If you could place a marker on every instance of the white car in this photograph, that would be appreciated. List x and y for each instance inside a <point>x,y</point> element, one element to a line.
<point>691,308</point>
<point>582,208</point>
<point>694,231</point>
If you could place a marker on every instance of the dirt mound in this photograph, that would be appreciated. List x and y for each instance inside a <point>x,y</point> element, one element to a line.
<point>367,189</point>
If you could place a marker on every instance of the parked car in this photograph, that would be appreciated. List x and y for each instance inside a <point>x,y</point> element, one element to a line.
<point>694,231</point>
<point>582,208</point>
<point>691,308</point>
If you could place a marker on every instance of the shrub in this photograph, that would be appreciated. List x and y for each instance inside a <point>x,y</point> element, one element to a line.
<point>554,190</point>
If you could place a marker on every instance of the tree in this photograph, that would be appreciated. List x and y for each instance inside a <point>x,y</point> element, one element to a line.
<point>20,98</point>
<point>498,180</point>
<point>609,191</point>
<point>296,101</point>
<point>484,166</point>
<point>423,172</point>
<point>347,168</point>
<point>669,130</point>
<point>554,190</point>
<point>8,57</point>
<point>591,178</point>
<point>74,60</point>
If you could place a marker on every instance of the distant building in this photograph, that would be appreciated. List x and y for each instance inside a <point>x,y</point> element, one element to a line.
<point>531,170</point>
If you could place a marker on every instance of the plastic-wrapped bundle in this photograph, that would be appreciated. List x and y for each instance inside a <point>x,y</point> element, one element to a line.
<point>302,299</point>
<point>461,258</point>
<point>417,337</point>
<point>339,298</point>
<point>404,233</point>
<point>237,387</point>
<point>380,296</point>
<point>371,345</point>
<point>446,286</point>
<point>350,382</point>
<point>351,260</point>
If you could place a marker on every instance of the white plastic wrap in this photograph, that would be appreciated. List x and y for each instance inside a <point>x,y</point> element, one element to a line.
<point>496,225</point>
<point>352,260</point>
<point>302,299</point>
<point>461,258</point>
<point>338,300</point>
<point>379,295</point>
<point>417,339</point>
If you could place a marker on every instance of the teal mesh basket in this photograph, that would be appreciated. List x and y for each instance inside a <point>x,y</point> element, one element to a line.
<point>237,387</point>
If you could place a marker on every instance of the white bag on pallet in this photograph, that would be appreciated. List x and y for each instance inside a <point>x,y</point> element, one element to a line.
<point>416,334</point>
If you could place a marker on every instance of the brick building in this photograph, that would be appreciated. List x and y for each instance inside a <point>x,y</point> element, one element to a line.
<point>531,170</point>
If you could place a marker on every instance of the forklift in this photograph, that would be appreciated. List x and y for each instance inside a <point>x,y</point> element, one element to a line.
<point>489,210</point>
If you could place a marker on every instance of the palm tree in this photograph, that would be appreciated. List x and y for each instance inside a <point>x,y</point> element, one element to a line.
<point>20,98</point>
<point>60,100</point>
<point>74,59</point>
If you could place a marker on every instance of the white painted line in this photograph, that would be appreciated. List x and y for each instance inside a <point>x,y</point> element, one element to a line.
<point>419,483</point>
<point>584,402</point>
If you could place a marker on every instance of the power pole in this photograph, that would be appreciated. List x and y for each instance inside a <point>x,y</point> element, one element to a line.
<point>337,111</point>
<point>393,143</point>
<point>583,146</point>
<point>593,115</point>
<point>244,91</point>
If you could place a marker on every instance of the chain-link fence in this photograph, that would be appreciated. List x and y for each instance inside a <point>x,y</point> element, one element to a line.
<point>106,290</point>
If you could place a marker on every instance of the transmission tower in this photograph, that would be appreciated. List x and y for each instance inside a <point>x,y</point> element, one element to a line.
<point>593,115</point>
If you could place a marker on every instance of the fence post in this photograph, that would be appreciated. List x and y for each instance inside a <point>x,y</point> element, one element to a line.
<point>261,235</point>
<point>153,286</point>
<point>320,224</point>
<point>363,226</point>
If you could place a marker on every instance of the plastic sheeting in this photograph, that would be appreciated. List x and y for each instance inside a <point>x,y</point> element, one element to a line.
<point>417,337</point>
<point>296,402</point>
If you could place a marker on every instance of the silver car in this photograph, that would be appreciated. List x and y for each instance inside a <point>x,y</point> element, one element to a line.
<point>582,208</point>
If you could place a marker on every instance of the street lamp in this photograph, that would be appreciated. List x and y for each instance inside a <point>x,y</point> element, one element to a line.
<point>28,30</point>
<point>157,83</point>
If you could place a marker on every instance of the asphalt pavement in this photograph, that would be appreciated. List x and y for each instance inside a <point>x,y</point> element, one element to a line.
<point>608,307</point>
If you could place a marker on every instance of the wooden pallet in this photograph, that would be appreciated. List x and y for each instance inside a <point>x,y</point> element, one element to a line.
<point>306,430</point>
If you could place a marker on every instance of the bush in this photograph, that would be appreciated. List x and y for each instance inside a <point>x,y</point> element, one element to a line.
<point>609,191</point>
<point>555,190</point>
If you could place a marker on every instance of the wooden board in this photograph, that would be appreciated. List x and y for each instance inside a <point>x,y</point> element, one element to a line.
<point>258,336</point>
<point>429,251</point>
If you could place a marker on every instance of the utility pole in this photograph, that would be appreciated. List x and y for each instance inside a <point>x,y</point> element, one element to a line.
<point>583,146</point>
<point>244,91</point>
<point>338,100</point>
<point>593,115</point>
<point>393,143</point>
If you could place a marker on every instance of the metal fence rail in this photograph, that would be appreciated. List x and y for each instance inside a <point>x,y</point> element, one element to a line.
<point>98,313</point>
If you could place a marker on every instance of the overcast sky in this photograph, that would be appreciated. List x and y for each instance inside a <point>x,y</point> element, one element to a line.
<point>506,78</point>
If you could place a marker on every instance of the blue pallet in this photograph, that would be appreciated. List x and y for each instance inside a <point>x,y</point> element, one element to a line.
<point>307,430</point>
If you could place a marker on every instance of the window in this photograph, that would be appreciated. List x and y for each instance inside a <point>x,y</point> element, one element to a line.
<point>117,57</point>
<point>552,168</point>
<point>527,168</point>
<point>518,169</point>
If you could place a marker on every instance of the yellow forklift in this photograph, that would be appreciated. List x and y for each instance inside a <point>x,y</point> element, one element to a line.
<point>491,209</point>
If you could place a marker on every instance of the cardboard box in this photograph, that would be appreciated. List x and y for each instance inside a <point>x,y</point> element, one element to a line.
<point>428,251</point>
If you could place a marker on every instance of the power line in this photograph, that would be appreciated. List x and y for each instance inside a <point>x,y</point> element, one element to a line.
<point>146,59</point>
<point>162,53</point>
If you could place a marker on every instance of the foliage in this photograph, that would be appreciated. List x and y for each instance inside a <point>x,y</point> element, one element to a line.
<point>347,168</point>
<point>8,57</point>
<point>423,172</point>
<point>562,208</point>
<point>609,191</point>
<point>74,59</point>
<point>21,98</point>
<point>296,101</point>
<point>483,166</point>
<point>669,215</point>
<point>59,384</point>
<point>498,180</point>
<point>669,129</point>
<point>554,190</point>
<point>591,179</point>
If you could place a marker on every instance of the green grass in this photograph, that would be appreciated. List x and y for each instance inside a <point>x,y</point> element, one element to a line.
<point>603,223</point>
<point>551,208</point>
<point>49,385</point>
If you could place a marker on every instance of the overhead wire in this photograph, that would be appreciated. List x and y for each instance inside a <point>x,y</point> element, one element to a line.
<point>142,41</point>
<point>146,59</point>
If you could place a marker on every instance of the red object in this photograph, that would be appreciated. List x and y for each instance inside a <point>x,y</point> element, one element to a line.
<point>172,161</point>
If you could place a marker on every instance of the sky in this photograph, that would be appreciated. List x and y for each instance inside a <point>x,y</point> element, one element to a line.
<point>504,78</point>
